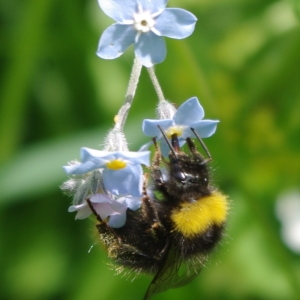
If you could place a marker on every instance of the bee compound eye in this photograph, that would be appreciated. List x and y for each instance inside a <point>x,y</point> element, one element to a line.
<point>179,175</point>
<point>176,172</point>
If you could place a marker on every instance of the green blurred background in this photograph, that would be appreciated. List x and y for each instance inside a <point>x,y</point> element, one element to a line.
<point>242,62</point>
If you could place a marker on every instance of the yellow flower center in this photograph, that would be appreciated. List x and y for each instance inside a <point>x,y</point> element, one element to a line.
<point>116,164</point>
<point>178,130</point>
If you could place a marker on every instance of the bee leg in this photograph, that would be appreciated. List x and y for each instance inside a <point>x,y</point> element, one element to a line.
<point>124,248</point>
<point>93,210</point>
<point>111,237</point>
<point>116,247</point>
<point>126,251</point>
<point>148,207</point>
<point>156,173</point>
<point>103,226</point>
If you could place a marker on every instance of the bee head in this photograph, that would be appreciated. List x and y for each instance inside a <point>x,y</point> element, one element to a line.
<point>188,172</point>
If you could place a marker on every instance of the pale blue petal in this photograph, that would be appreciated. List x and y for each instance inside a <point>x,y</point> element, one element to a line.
<point>119,208</point>
<point>146,146</point>
<point>205,128</point>
<point>164,148</point>
<point>189,112</point>
<point>69,169</point>
<point>88,154</point>
<point>124,181</point>
<point>134,158</point>
<point>95,159</point>
<point>100,198</point>
<point>175,23</point>
<point>105,206</point>
<point>150,49</point>
<point>104,210</point>
<point>141,157</point>
<point>154,5</point>
<point>115,40</point>
<point>181,142</point>
<point>150,126</point>
<point>83,210</point>
<point>119,10</point>
<point>82,168</point>
<point>133,203</point>
<point>117,221</point>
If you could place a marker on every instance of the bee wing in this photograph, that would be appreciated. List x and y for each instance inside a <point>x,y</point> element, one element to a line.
<point>173,273</point>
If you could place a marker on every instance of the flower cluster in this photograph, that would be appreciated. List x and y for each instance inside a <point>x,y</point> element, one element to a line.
<point>142,23</point>
<point>108,182</point>
<point>121,178</point>
<point>189,115</point>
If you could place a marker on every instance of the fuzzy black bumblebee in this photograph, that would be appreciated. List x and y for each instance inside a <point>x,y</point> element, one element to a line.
<point>180,221</point>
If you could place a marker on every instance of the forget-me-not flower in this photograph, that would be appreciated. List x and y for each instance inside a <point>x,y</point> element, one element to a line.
<point>105,206</point>
<point>142,23</point>
<point>121,171</point>
<point>188,115</point>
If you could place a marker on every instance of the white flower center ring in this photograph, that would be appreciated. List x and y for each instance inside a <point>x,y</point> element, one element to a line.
<point>143,21</point>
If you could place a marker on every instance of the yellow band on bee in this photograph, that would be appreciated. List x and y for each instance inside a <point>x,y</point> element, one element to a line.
<point>194,218</point>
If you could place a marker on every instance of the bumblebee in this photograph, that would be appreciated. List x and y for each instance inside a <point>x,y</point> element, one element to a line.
<point>181,220</point>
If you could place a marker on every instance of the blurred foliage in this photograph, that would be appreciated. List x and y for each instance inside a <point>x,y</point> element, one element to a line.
<point>56,96</point>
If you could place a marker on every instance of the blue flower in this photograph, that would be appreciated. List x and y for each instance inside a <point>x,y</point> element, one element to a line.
<point>188,115</point>
<point>105,207</point>
<point>122,172</point>
<point>142,23</point>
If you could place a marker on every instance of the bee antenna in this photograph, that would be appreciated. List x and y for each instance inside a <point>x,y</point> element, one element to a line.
<point>167,141</point>
<point>93,210</point>
<point>202,143</point>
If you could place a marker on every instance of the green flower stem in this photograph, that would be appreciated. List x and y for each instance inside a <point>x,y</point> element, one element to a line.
<point>156,85</point>
<point>133,82</point>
